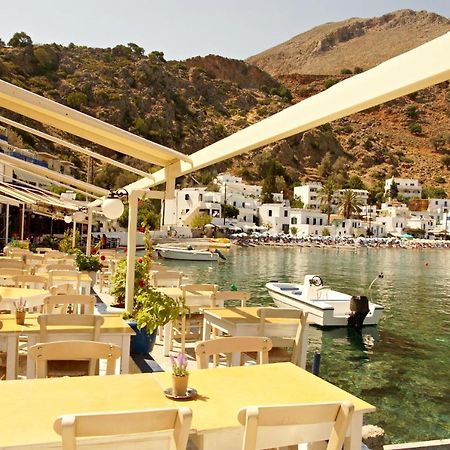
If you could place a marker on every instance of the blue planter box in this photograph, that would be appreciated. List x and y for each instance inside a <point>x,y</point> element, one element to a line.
<point>142,343</point>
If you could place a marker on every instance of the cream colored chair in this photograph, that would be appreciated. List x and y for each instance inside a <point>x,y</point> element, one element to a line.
<point>40,250</point>
<point>165,429</point>
<point>235,297</point>
<point>60,267</point>
<point>42,353</point>
<point>286,426</point>
<point>229,345</point>
<point>280,343</point>
<point>57,277</point>
<point>91,322</point>
<point>30,282</point>
<point>7,276</point>
<point>63,289</point>
<point>75,304</point>
<point>196,297</point>
<point>12,264</point>
<point>167,278</point>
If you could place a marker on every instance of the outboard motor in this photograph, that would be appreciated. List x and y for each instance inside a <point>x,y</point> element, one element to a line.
<point>359,307</point>
<point>221,256</point>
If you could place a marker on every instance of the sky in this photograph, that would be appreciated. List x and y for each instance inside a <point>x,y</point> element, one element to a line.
<point>185,28</point>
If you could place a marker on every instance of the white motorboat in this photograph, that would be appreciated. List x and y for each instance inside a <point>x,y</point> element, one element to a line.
<point>188,254</point>
<point>326,307</point>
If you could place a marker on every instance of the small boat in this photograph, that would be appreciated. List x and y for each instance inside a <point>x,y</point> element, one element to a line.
<point>188,254</point>
<point>326,308</point>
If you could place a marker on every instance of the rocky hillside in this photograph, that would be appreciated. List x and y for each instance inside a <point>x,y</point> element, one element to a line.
<point>362,43</point>
<point>190,104</point>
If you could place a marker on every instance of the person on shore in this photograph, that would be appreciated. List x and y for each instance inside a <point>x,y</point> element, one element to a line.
<point>103,241</point>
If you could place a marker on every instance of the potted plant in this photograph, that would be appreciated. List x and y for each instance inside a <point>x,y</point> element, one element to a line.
<point>88,263</point>
<point>180,375</point>
<point>20,311</point>
<point>151,308</point>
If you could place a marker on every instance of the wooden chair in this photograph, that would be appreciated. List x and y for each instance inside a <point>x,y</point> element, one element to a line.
<point>294,342</point>
<point>63,289</point>
<point>74,350</point>
<point>222,297</point>
<point>91,322</point>
<point>60,267</point>
<point>163,428</point>
<point>230,345</point>
<point>43,250</point>
<point>30,282</point>
<point>167,278</point>
<point>11,264</point>
<point>6,276</point>
<point>75,304</point>
<point>57,277</point>
<point>286,426</point>
<point>196,297</point>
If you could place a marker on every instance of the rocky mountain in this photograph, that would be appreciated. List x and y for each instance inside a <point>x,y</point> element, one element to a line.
<point>361,43</point>
<point>190,104</point>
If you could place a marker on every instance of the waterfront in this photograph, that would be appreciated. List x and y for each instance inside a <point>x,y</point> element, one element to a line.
<point>401,366</point>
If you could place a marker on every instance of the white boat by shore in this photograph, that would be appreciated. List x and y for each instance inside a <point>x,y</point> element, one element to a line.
<point>326,307</point>
<point>187,254</point>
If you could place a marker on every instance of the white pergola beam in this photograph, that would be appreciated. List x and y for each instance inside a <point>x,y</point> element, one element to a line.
<point>417,69</point>
<point>51,174</point>
<point>74,147</point>
<point>59,116</point>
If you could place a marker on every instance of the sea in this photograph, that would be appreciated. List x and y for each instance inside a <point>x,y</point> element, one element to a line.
<point>402,366</point>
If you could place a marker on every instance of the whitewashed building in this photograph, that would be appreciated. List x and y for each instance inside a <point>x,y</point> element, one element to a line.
<point>307,221</point>
<point>234,185</point>
<point>407,187</point>
<point>275,216</point>
<point>308,194</point>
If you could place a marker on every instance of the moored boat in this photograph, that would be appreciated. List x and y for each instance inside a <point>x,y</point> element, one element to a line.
<point>187,254</point>
<point>325,306</point>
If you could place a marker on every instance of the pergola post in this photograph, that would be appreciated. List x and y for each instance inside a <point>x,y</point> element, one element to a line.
<point>89,232</point>
<point>22,225</point>
<point>74,230</point>
<point>131,250</point>
<point>169,212</point>
<point>7,225</point>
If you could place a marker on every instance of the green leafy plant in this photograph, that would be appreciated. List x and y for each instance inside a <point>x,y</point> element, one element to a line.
<point>65,244</point>
<point>19,244</point>
<point>88,263</point>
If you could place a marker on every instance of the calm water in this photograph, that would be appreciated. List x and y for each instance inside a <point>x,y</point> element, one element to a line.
<point>403,365</point>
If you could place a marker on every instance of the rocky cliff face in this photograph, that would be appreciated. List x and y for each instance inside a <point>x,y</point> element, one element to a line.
<point>365,43</point>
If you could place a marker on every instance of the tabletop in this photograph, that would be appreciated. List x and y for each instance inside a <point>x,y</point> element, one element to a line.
<point>243,314</point>
<point>13,293</point>
<point>219,390</point>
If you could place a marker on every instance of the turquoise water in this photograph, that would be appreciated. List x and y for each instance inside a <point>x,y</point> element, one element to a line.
<point>403,365</point>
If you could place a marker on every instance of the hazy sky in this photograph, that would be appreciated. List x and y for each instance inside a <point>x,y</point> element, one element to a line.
<point>185,28</point>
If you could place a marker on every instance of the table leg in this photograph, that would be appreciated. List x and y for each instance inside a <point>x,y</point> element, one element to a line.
<point>206,329</point>
<point>167,338</point>
<point>31,366</point>
<point>354,441</point>
<point>12,357</point>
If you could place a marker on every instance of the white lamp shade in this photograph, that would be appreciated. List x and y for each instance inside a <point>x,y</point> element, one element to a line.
<point>67,219</point>
<point>112,208</point>
<point>78,216</point>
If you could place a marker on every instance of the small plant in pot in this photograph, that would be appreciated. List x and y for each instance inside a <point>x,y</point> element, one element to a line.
<point>88,263</point>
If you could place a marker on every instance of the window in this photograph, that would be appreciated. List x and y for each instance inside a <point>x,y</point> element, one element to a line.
<point>307,221</point>
<point>285,213</point>
<point>314,221</point>
<point>186,196</point>
<point>294,221</point>
<point>243,204</point>
<point>321,222</point>
<point>200,197</point>
<point>269,213</point>
<point>234,203</point>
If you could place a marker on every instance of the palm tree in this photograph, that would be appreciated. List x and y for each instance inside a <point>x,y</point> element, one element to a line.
<point>349,203</point>
<point>326,195</point>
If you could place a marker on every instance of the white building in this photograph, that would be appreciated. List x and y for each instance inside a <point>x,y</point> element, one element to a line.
<point>275,216</point>
<point>347,228</point>
<point>232,184</point>
<point>247,206</point>
<point>407,187</point>
<point>308,193</point>
<point>307,221</point>
<point>188,203</point>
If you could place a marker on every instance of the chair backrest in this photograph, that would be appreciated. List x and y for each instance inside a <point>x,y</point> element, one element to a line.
<point>63,289</point>
<point>233,296</point>
<point>199,294</point>
<point>57,277</point>
<point>167,278</point>
<point>174,422</point>
<point>229,345</point>
<point>288,425</point>
<point>30,281</point>
<point>60,304</point>
<point>91,322</point>
<point>74,350</point>
<point>61,267</point>
<point>43,249</point>
<point>11,264</point>
<point>293,341</point>
<point>6,276</point>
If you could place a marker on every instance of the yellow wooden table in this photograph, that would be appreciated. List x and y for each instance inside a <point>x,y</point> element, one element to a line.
<point>114,330</point>
<point>244,321</point>
<point>35,404</point>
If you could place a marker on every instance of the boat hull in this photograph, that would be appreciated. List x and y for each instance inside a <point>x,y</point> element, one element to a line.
<point>186,255</point>
<point>323,312</point>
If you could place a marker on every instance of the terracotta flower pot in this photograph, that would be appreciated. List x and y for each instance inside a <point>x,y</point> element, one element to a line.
<point>20,317</point>
<point>179,385</point>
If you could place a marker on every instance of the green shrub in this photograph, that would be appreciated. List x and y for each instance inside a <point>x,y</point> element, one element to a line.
<point>20,39</point>
<point>330,82</point>
<point>415,128</point>
<point>357,70</point>
<point>412,112</point>
<point>88,263</point>
<point>346,72</point>
<point>446,160</point>
<point>76,100</point>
